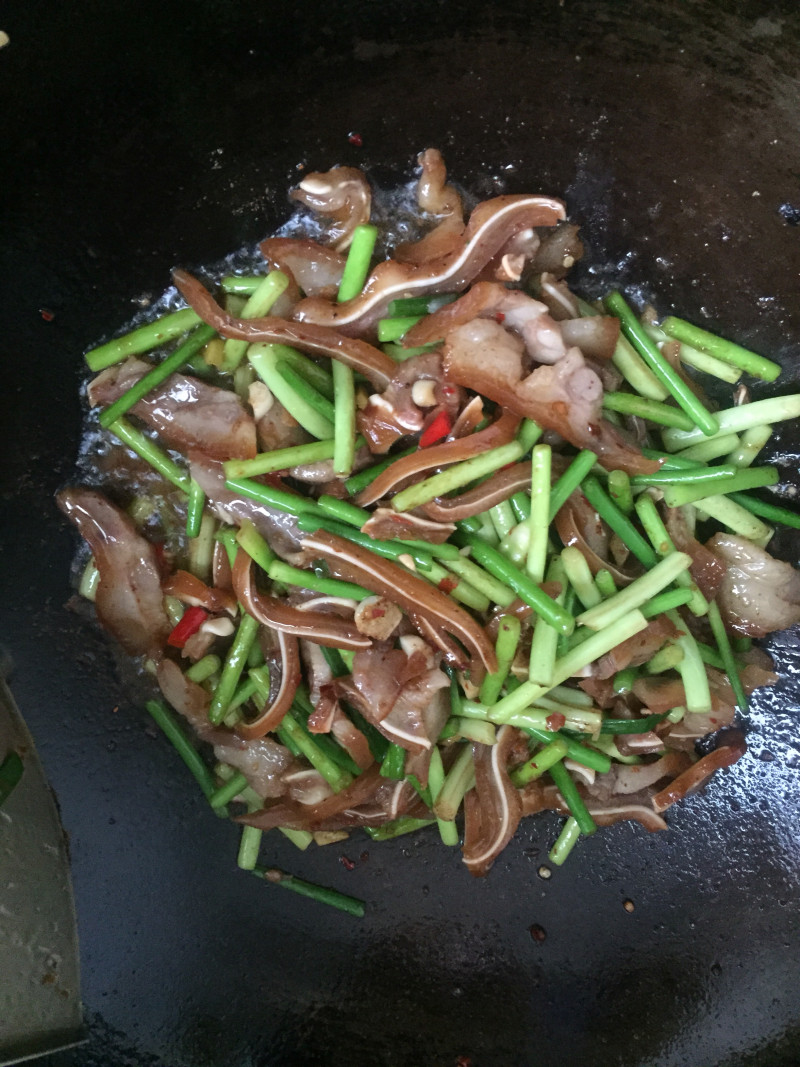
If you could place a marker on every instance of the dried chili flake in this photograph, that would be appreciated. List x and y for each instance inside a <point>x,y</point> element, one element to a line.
<point>437,429</point>
<point>190,622</point>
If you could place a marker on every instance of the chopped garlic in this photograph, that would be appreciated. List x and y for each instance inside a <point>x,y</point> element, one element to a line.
<point>423,393</point>
<point>410,644</point>
<point>214,352</point>
<point>260,399</point>
<point>221,627</point>
<point>378,401</point>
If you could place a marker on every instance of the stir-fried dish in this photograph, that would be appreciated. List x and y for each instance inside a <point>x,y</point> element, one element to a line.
<point>408,533</point>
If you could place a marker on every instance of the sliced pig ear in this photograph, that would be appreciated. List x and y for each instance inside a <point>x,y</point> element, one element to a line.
<point>578,524</point>
<point>312,268</point>
<point>413,594</point>
<point>708,568</point>
<point>537,797</point>
<point>491,230</point>
<point>426,459</point>
<point>342,194</point>
<point>435,197</point>
<point>277,614</point>
<point>115,380</point>
<point>758,594</point>
<point>493,809</point>
<point>273,713</point>
<point>693,778</point>
<point>475,501</point>
<point>483,299</point>
<point>635,777</point>
<point>387,523</point>
<point>190,589</point>
<point>559,249</point>
<point>560,300</point>
<point>129,599</point>
<point>565,397</point>
<point>186,413</point>
<point>316,339</point>
<point>186,696</point>
<point>640,813</point>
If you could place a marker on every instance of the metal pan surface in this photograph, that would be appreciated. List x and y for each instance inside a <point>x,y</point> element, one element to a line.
<point>142,136</point>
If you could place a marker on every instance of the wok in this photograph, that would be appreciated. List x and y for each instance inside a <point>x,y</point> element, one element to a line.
<point>141,136</point>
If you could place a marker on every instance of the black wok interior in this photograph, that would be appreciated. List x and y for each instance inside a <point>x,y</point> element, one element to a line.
<point>145,135</point>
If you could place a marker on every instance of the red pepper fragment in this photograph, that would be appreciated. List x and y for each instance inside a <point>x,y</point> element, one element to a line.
<point>500,316</point>
<point>46,314</point>
<point>190,622</point>
<point>440,427</point>
<point>356,139</point>
<point>447,585</point>
<point>556,721</point>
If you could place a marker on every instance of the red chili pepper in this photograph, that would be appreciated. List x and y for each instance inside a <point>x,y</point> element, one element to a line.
<point>555,722</point>
<point>436,430</point>
<point>447,585</point>
<point>500,316</point>
<point>190,622</point>
<point>46,314</point>
<point>356,139</point>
